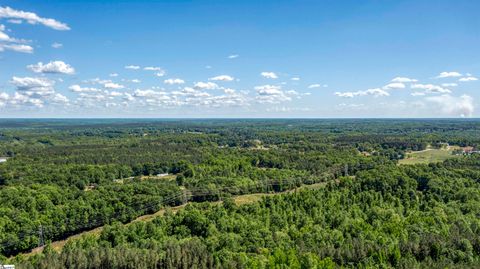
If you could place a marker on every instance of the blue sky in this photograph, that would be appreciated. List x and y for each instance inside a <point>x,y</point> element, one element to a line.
<point>239,58</point>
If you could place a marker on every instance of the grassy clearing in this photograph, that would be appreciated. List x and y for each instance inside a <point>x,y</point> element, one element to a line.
<point>429,155</point>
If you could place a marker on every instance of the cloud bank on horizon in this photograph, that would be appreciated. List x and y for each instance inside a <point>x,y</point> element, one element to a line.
<point>56,87</point>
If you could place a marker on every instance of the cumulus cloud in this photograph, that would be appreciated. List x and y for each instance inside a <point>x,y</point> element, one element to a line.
<point>462,106</point>
<point>53,67</point>
<point>206,85</point>
<point>403,80</point>
<point>295,78</point>
<point>59,98</point>
<point>271,75</point>
<point>374,92</point>
<point>29,83</point>
<point>113,75</point>
<point>466,79</point>
<point>430,88</point>
<point>449,74</point>
<point>394,86</point>
<point>132,67</point>
<point>112,85</point>
<point>222,78</point>
<point>233,56</point>
<point>173,81</point>
<point>77,88</point>
<point>31,18</point>
<point>34,91</point>
<point>273,94</point>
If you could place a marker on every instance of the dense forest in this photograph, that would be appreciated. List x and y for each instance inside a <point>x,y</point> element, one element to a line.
<point>63,177</point>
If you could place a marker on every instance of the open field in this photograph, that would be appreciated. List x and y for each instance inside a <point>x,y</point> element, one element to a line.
<point>429,155</point>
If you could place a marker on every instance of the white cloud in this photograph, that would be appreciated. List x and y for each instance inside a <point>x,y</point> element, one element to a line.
<point>17,17</point>
<point>12,44</point>
<point>233,56</point>
<point>34,91</point>
<point>430,88</point>
<point>222,78</point>
<point>295,78</point>
<point>312,86</point>
<point>268,89</point>
<point>132,67</point>
<point>27,83</point>
<point>159,71</point>
<point>113,75</point>
<point>152,97</point>
<point>229,91</point>
<point>206,85</point>
<point>404,80</point>
<point>4,97</point>
<point>394,86</point>
<point>454,106</point>
<point>273,94</point>
<point>112,85</point>
<point>105,83</point>
<point>31,18</point>
<point>173,81</point>
<point>271,75</point>
<point>465,79</point>
<point>53,67</point>
<point>375,92</point>
<point>77,88</point>
<point>153,68</point>
<point>56,45</point>
<point>59,98</point>
<point>16,47</point>
<point>115,93</point>
<point>128,97</point>
<point>4,36</point>
<point>449,74</point>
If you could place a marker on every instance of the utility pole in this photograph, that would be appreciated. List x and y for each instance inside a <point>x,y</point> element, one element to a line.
<point>41,242</point>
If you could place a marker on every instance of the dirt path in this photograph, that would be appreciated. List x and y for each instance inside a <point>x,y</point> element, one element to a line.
<point>239,200</point>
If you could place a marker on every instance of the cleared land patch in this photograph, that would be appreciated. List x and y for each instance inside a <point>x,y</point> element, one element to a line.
<point>429,155</point>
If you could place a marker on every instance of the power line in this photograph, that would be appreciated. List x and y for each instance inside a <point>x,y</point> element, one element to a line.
<point>184,196</point>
